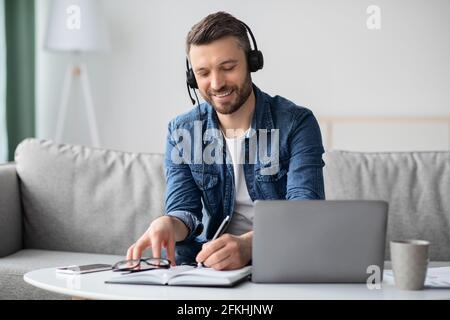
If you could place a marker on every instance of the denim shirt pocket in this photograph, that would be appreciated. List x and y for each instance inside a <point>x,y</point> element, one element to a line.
<point>272,186</point>
<point>208,183</point>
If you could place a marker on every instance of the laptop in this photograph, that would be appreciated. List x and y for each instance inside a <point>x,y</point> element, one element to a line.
<point>318,241</point>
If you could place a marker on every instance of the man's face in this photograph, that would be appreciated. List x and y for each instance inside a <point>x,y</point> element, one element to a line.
<point>222,75</point>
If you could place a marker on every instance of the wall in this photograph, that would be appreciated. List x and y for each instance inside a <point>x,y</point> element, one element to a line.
<point>318,53</point>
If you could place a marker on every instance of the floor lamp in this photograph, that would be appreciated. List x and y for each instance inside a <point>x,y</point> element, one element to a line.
<point>77,27</point>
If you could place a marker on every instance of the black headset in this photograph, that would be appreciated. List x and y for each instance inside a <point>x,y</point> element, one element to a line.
<point>255,62</point>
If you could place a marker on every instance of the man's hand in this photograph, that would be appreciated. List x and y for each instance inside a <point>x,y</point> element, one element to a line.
<point>227,252</point>
<point>162,233</point>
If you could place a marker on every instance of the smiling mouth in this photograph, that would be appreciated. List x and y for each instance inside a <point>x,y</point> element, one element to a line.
<point>223,95</point>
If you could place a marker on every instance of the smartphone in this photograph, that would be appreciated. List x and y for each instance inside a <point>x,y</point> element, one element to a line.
<point>84,269</point>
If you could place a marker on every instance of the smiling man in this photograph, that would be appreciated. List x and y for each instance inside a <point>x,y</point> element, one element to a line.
<point>246,124</point>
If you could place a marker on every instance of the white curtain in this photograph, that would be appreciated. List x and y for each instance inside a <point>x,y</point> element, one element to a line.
<point>3,135</point>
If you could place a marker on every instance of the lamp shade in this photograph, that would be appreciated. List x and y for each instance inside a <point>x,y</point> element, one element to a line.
<point>76,26</point>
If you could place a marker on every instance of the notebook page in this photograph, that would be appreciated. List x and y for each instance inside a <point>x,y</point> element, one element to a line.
<point>154,276</point>
<point>209,276</point>
<point>435,278</point>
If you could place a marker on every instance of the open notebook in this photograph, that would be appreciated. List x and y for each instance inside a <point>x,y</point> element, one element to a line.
<point>185,276</point>
<point>438,277</point>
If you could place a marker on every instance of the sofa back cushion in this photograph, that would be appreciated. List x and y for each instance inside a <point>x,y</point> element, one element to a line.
<point>83,199</point>
<point>416,185</point>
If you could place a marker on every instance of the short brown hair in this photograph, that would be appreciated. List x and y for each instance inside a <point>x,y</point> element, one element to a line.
<point>216,26</point>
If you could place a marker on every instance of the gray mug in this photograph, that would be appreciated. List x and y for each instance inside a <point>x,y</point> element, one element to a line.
<point>409,263</point>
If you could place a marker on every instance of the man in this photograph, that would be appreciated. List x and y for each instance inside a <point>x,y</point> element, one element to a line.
<point>201,193</point>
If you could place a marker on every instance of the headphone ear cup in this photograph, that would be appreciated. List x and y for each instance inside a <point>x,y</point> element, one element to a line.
<point>255,60</point>
<point>190,79</point>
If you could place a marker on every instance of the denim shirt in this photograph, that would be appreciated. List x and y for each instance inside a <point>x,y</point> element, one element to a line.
<point>201,192</point>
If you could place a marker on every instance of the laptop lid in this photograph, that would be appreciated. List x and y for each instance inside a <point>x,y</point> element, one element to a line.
<point>317,240</point>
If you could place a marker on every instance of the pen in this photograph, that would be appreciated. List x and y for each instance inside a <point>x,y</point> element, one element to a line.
<point>222,228</point>
<point>219,232</point>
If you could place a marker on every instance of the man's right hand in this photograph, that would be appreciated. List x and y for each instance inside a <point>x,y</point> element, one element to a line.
<point>162,233</point>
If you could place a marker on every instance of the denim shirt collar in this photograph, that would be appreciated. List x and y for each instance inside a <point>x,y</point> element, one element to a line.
<point>262,117</point>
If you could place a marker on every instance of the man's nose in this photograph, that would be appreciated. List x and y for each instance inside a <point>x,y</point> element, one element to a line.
<point>217,81</point>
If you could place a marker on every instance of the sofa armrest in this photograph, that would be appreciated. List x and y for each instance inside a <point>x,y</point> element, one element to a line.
<point>10,210</point>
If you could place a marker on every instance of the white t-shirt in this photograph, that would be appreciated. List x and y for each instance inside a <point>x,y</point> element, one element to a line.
<point>242,220</point>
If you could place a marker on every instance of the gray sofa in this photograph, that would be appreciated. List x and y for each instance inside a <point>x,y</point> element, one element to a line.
<point>64,204</point>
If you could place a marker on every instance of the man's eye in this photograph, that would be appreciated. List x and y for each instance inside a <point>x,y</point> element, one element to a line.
<point>228,68</point>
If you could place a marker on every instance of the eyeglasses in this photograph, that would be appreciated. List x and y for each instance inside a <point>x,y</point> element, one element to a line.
<point>137,265</point>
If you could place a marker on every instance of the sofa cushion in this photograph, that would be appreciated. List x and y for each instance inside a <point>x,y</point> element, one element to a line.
<point>416,185</point>
<point>83,199</point>
<point>13,267</point>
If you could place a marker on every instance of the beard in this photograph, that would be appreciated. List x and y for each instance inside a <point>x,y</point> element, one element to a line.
<point>241,94</point>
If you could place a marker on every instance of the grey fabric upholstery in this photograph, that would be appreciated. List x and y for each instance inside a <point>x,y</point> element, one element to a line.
<point>416,185</point>
<point>87,200</point>
<point>10,211</point>
<point>13,267</point>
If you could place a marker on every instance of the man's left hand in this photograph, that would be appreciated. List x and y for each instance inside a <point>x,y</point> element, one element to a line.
<point>227,252</point>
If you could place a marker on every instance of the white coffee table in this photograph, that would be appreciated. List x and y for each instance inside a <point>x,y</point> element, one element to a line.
<point>92,286</point>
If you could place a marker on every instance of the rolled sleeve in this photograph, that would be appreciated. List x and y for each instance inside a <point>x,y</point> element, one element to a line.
<point>193,224</point>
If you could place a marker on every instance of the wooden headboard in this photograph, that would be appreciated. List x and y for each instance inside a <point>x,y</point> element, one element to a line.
<point>328,122</point>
